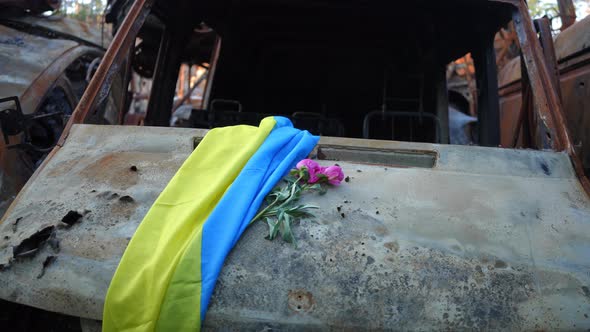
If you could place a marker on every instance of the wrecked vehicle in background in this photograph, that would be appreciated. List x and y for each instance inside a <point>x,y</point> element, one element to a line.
<point>425,236</point>
<point>45,66</point>
<point>569,66</point>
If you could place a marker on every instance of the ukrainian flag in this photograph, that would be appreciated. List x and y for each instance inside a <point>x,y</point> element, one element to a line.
<point>168,271</point>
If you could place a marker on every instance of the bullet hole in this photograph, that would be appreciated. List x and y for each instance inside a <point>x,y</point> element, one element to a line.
<point>31,245</point>
<point>71,218</point>
<point>126,199</point>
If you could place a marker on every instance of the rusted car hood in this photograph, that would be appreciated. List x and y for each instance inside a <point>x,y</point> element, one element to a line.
<point>480,238</point>
<point>23,57</point>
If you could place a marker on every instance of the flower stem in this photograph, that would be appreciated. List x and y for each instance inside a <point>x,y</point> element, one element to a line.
<point>261,213</point>
<point>288,200</point>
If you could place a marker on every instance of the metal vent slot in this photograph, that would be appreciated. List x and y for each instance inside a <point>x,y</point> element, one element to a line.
<point>387,157</point>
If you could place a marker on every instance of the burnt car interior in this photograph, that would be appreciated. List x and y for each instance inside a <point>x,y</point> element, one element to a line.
<point>336,68</point>
<point>42,128</point>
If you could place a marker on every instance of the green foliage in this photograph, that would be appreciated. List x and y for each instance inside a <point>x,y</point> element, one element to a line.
<point>83,10</point>
<point>283,209</point>
<point>539,8</point>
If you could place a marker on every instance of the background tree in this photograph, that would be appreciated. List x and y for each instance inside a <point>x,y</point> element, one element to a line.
<point>90,11</point>
<point>539,8</point>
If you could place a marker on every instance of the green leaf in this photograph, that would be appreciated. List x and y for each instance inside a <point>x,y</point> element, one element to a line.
<point>300,211</point>
<point>273,228</point>
<point>285,229</point>
<point>322,178</point>
<point>281,208</point>
<point>315,186</point>
<point>292,177</point>
<point>284,193</point>
<point>319,187</point>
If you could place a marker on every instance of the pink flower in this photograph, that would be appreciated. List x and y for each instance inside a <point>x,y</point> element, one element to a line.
<point>333,173</point>
<point>312,168</point>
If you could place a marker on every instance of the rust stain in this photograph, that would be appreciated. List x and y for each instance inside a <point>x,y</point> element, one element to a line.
<point>393,246</point>
<point>123,208</point>
<point>301,301</point>
<point>93,247</point>
<point>63,168</point>
<point>382,231</point>
<point>112,169</point>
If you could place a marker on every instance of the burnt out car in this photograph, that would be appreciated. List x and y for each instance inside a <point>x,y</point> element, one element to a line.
<point>570,71</point>
<point>426,235</point>
<point>45,66</point>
